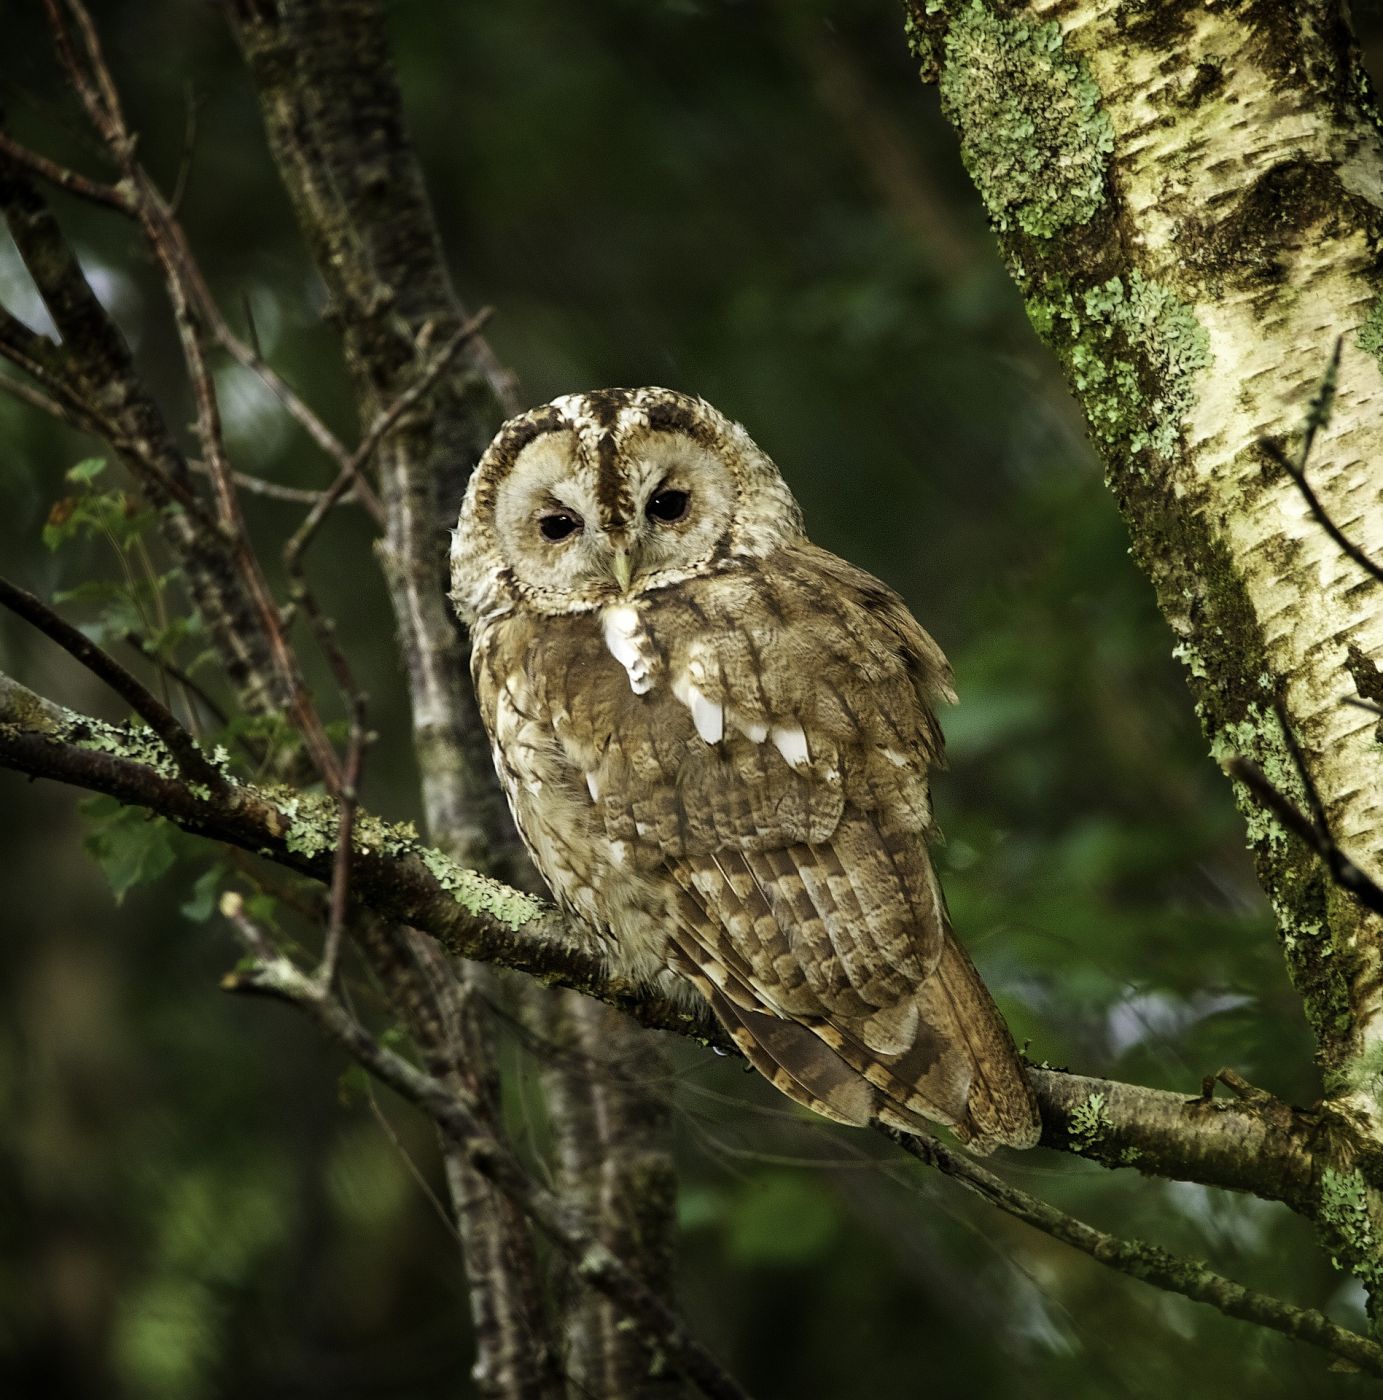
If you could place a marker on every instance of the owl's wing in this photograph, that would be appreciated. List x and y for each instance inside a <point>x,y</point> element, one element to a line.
<point>776,766</point>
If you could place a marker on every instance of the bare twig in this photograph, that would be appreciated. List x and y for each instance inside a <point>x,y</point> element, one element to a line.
<point>189,144</point>
<point>350,474</point>
<point>176,673</point>
<point>402,881</point>
<point>91,78</point>
<point>1318,511</point>
<point>275,491</point>
<point>251,357</point>
<point>190,759</point>
<point>72,413</point>
<point>1188,1277</point>
<point>109,196</point>
<point>349,799</point>
<point>1317,417</point>
<point>1342,870</point>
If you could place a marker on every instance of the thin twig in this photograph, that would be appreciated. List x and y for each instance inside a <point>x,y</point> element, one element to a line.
<point>190,759</point>
<point>96,88</point>
<point>349,799</point>
<point>109,196</point>
<point>1343,871</point>
<point>1159,1267</point>
<point>1317,417</point>
<point>276,491</point>
<point>351,472</point>
<point>189,142</point>
<point>1318,511</point>
<point>250,356</point>
<point>1362,703</point>
<point>73,415</point>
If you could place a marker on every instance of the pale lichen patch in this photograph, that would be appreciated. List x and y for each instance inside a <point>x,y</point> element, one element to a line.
<point>1344,1213</point>
<point>1090,1124</point>
<point>478,894</point>
<point>1117,337</point>
<point>1034,136</point>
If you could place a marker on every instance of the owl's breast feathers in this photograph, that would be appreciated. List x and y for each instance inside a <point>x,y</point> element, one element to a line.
<point>729,778</point>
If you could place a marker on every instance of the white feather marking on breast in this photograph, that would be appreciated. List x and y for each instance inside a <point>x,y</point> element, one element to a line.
<point>898,760</point>
<point>791,741</point>
<point>593,785</point>
<point>754,730</point>
<point>707,715</point>
<point>628,644</point>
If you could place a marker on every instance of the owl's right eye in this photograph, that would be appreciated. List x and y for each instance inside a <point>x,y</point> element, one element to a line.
<point>558,524</point>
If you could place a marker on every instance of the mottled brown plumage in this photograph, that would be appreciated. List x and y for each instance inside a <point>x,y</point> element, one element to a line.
<point>715,738</point>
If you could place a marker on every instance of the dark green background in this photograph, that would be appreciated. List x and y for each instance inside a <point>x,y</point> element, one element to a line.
<point>758,203</point>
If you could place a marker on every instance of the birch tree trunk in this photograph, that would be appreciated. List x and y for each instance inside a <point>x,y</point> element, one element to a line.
<point>1190,198</point>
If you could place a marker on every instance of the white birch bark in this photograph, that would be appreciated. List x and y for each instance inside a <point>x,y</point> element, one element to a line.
<point>1190,198</point>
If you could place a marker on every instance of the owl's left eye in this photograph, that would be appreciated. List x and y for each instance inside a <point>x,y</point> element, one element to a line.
<point>558,524</point>
<point>667,507</point>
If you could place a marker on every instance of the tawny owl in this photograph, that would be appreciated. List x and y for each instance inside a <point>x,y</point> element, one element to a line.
<point>715,737</point>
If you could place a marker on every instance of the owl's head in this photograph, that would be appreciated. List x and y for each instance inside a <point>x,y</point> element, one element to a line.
<point>606,495</point>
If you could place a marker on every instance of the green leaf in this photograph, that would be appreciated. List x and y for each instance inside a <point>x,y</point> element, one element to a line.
<point>201,903</point>
<point>131,847</point>
<point>85,472</point>
<point>95,590</point>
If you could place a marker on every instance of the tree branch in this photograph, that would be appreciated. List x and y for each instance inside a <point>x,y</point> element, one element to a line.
<point>1189,1277</point>
<point>195,765</point>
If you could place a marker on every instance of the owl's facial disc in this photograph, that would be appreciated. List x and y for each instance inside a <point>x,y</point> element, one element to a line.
<point>585,527</point>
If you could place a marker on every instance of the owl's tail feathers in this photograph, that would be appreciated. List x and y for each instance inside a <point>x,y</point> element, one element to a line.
<point>795,1061</point>
<point>961,1069</point>
<point>973,1062</point>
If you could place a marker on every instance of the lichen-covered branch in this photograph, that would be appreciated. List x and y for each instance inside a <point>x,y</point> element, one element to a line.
<point>1190,200</point>
<point>393,874</point>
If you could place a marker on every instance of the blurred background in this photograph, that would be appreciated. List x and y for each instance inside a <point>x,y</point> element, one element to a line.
<point>758,203</point>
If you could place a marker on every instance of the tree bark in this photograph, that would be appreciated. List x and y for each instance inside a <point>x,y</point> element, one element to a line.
<point>1190,200</point>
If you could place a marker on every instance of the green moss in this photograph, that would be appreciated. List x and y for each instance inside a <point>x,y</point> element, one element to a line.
<point>1133,351</point>
<point>1370,334</point>
<point>1344,1215</point>
<point>1090,1124</point>
<point>1033,135</point>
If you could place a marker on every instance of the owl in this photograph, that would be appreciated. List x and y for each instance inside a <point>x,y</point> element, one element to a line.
<point>715,738</point>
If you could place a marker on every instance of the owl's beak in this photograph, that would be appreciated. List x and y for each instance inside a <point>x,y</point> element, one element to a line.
<point>622,566</point>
